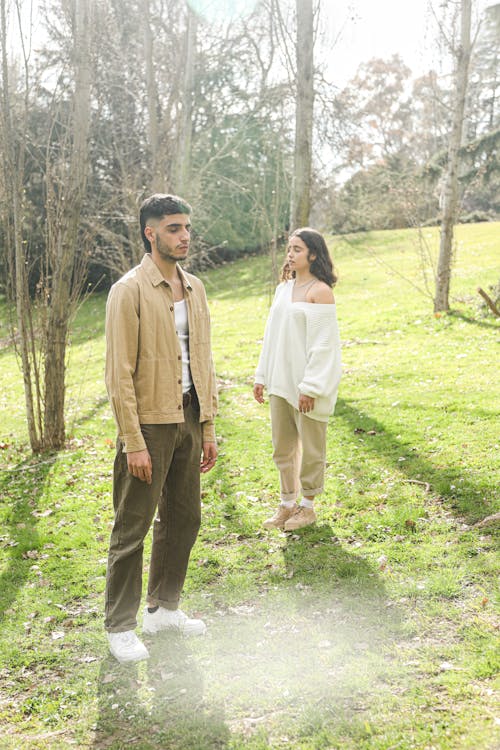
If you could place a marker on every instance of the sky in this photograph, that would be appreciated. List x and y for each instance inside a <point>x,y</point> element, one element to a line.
<point>362,29</point>
<point>358,30</point>
<point>354,30</point>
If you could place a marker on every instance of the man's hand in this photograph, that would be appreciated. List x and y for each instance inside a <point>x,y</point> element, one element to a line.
<point>209,457</point>
<point>306,403</point>
<point>140,465</point>
<point>258,393</point>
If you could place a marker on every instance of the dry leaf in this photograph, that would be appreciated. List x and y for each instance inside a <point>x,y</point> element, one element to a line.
<point>382,562</point>
<point>445,666</point>
<point>31,554</point>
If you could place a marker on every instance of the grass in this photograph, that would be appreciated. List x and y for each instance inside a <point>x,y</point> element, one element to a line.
<point>375,629</point>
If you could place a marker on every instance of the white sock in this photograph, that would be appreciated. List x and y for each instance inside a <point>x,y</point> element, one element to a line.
<point>305,503</point>
<point>288,503</point>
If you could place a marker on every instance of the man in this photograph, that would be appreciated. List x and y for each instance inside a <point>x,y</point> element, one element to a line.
<point>161,384</point>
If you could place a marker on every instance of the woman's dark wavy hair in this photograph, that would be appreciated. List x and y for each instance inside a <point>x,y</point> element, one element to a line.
<point>321,266</point>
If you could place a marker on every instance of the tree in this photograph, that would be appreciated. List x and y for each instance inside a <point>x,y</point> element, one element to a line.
<point>157,147</point>
<point>120,161</point>
<point>66,182</point>
<point>383,127</point>
<point>302,161</point>
<point>450,194</point>
<point>238,177</point>
<point>15,106</point>
<point>183,150</point>
<point>484,81</point>
<point>43,323</point>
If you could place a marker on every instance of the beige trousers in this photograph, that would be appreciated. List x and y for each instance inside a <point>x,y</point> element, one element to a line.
<point>299,444</point>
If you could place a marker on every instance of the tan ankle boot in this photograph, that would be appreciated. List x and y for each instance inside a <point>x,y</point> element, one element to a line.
<point>302,517</point>
<point>281,515</point>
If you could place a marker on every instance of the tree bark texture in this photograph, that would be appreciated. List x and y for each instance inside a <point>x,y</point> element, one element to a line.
<point>63,233</point>
<point>494,309</point>
<point>186,116</point>
<point>450,196</point>
<point>301,185</point>
<point>158,178</point>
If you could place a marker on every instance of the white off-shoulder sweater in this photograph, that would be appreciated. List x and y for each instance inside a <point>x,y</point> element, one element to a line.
<point>301,352</point>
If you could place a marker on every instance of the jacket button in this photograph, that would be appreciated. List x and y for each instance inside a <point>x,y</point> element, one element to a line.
<point>171,308</point>
<point>179,407</point>
<point>179,358</point>
<point>179,381</point>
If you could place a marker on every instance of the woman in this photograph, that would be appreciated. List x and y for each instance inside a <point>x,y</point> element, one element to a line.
<point>300,367</point>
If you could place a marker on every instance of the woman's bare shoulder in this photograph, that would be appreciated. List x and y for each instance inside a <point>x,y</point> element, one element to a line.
<point>321,294</point>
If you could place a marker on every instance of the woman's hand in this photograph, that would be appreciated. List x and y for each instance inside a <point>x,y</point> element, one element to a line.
<point>306,403</point>
<point>258,392</point>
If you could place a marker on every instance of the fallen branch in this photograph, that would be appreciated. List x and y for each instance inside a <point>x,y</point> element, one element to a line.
<point>488,521</point>
<point>417,481</point>
<point>494,309</point>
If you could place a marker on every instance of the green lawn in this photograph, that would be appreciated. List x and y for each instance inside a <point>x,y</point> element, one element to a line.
<point>375,629</point>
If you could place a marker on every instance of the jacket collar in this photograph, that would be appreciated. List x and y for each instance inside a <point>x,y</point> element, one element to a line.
<point>154,274</point>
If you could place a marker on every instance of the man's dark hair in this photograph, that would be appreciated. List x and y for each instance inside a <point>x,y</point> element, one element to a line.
<point>157,206</point>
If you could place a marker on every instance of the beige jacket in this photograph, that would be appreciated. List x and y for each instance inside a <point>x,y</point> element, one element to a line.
<point>143,355</point>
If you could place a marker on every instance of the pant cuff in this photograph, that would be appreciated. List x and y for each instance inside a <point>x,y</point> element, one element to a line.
<point>314,492</point>
<point>170,604</point>
<point>120,628</point>
<point>287,497</point>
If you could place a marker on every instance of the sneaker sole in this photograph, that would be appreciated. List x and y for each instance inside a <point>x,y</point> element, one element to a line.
<point>302,526</point>
<point>189,633</point>
<point>172,629</point>
<point>151,631</point>
<point>130,661</point>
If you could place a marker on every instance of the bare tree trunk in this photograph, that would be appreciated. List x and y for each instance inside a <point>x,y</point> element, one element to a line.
<point>63,234</point>
<point>275,237</point>
<point>187,93</point>
<point>301,186</point>
<point>157,157</point>
<point>14,150</point>
<point>450,189</point>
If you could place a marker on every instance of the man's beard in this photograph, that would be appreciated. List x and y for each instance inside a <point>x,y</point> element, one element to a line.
<point>166,253</point>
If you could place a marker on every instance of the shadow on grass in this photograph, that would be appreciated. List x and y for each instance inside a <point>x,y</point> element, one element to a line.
<point>262,668</point>
<point>320,568</point>
<point>77,421</point>
<point>323,635</point>
<point>475,321</point>
<point>465,497</point>
<point>20,491</point>
<point>314,556</point>
<point>158,703</point>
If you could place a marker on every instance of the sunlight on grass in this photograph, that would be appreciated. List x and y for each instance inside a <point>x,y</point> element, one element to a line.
<point>376,628</point>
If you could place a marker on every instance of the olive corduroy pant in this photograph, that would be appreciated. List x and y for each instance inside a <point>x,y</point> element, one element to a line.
<point>173,501</point>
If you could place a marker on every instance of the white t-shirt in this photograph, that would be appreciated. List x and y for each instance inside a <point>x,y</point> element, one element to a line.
<point>182,328</point>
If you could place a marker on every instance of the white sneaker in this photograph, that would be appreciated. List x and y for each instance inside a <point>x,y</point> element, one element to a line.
<point>127,647</point>
<point>171,619</point>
